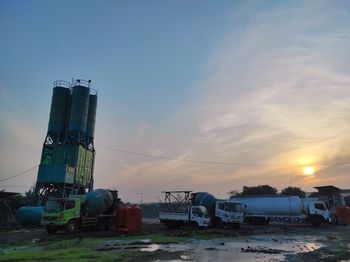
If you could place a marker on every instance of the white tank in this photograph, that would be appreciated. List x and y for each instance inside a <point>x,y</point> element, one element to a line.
<point>271,205</point>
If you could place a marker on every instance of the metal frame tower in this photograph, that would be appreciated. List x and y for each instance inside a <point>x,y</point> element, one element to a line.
<point>68,154</point>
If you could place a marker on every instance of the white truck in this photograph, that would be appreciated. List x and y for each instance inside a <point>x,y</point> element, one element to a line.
<point>227,213</point>
<point>262,210</point>
<point>196,216</point>
<point>199,209</point>
<point>222,212</point>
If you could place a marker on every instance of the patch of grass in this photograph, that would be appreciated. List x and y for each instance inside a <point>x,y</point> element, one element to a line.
<point>75,249</point>
<point>69,254</point>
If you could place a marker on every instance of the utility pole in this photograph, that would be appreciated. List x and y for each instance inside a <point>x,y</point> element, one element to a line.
<point>141,197</point>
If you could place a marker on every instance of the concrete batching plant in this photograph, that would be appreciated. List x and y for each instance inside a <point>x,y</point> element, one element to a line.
<point>68,153</point>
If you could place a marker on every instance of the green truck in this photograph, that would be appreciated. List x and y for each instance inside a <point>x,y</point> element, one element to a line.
<point>95,208</point>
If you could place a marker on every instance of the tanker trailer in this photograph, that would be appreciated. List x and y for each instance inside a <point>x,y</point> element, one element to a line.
<point>96,208</point>
<point>262,210</point>
<point>222,212</point>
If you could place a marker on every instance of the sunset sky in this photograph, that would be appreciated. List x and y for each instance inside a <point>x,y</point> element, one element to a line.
<point>261,88</point>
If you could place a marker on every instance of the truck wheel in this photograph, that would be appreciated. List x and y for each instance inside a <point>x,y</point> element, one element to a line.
<point>71,227</point>
<point>234,226</point>
<point>51,230</point>
<point>111,224</point>
<point>316,221</point>
<point>194,224</point>
<point>266,222</point>
<point>173,225</point>
<point>219,223</point>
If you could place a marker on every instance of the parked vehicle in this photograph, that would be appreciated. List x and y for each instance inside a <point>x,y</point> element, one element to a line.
<point>196,216</point>
<point>200,209</point>
<point>283,209</point>
<point>96,208</point>
<point>222,212</point>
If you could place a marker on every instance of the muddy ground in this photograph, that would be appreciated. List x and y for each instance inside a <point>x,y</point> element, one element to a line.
<point>157,243</point>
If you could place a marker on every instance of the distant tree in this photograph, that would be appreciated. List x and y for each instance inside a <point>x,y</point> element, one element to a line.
<point>259,190</point>
<point>293,191</point>
<point>233,193</point>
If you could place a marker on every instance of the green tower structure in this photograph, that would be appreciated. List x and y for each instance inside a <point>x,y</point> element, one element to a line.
<point>68,154</point>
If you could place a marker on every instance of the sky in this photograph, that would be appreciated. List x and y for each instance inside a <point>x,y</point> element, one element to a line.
<point>253,90</point>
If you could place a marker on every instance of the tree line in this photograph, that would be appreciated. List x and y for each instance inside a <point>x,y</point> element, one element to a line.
<point>268,190</point>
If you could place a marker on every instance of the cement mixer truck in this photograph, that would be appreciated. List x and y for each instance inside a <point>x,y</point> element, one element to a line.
<point>261,210</point>
<point>222,212</point>
<point>199,209</point>
<point>95,208</point>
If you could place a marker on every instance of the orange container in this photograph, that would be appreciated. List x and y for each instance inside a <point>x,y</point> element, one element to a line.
<point>129,218</point>
<point>343,215</point>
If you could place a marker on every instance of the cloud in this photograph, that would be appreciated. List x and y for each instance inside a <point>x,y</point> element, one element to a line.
<point>274,91</point>
<point>141,129</point>
<point>277,92</point>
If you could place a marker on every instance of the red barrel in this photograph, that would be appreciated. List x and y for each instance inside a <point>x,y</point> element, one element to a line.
<point>129,218</point>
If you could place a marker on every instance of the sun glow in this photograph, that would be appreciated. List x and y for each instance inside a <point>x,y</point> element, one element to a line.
<point>308,170</point>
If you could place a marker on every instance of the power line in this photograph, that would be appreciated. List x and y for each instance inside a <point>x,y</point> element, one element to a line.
<point>19,174</point>
<point>15,186</point>
<point>207,162</point>
<point>177,159</point>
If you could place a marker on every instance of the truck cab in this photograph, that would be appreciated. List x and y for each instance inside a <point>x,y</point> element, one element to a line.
<point>61,213</point>
<point>317,212</point>
<point>196,216</point>
<point>199,216</point>
<point>228,212</point>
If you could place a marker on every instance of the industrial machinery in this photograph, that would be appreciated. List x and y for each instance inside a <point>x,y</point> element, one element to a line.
<point>200,209</point>
<point>283,209</point>
<point>96,208</point>
<point>68,153</point>
<point>64,188</point>
<point>222,212</point>
<point>179,211</point>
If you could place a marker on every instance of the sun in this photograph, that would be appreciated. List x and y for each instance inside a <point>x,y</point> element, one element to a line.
<point>309,170</point>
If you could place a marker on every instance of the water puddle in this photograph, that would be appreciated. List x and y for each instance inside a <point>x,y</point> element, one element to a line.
<point>254,248</point>
<point>150,248</point>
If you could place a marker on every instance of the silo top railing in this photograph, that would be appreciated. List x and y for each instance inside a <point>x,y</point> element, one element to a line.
<point>62,83</point>
<point>93,91</point>
<point>81,82</point>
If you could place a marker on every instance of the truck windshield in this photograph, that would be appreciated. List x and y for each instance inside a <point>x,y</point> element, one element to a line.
<point>320,206</point>
<point>54,205</point>
<point>200,211</point>
<point>205,212</point>
<point>233,207</point>
<point>69,205</point>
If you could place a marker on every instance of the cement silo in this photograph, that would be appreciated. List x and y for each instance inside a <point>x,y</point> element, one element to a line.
<point>91,120</point>
<point>59,109</point>
<point>79,108</point>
